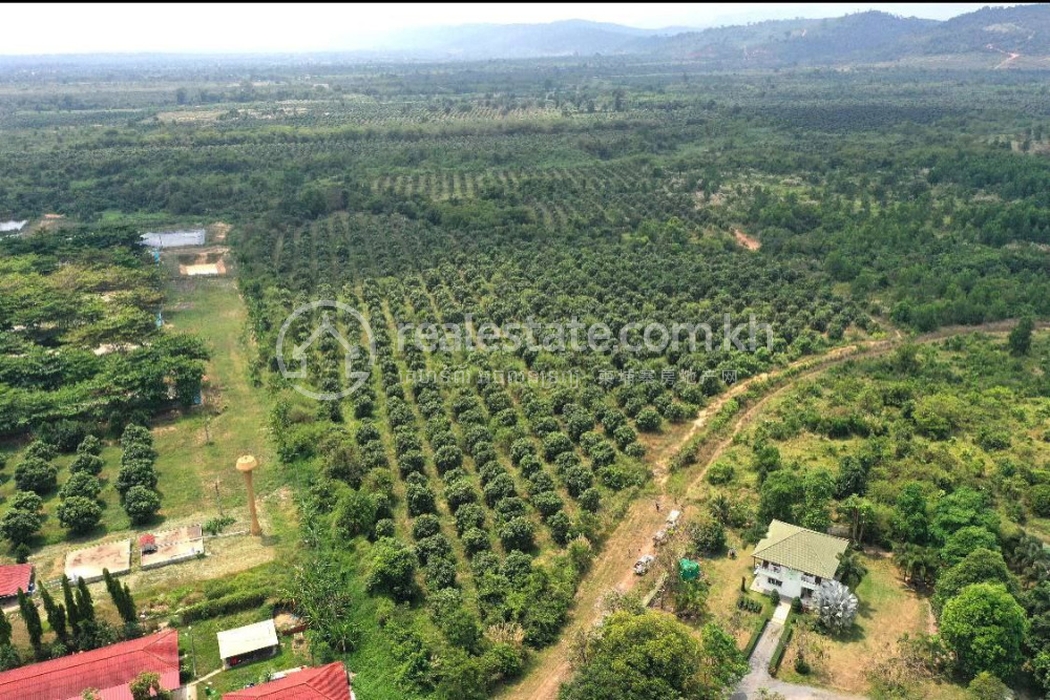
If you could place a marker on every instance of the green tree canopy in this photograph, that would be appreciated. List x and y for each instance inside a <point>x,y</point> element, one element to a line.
<point>652,656</point>
<point>965,540</point>
<point>979,566</point>
<point>782,492</point>
<point>984,626</point>
<point>392,570</point>
<point>79,514</point>
<point>1020,339</point>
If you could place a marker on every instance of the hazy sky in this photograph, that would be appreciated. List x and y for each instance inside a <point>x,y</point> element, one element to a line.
<point>60,28</point>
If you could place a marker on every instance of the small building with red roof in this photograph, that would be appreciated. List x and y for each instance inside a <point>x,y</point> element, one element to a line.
<point>108,670</point>
<point>147,544</point>
<point>13,577</point>
<point>328,682</point>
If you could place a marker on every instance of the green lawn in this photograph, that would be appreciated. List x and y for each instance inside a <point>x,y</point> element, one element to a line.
<point>199,641</point>
<point>888,609</point>
<point>234,415</point>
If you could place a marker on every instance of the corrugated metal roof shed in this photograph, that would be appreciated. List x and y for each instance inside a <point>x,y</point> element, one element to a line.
<point>247,639</point>
<point>322,683</point>
<point>174,239</point>
<point>108,669</point>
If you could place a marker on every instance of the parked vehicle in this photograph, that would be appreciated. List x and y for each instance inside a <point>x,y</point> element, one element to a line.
<point>672,519</point>
<point>644,563</point>
<point>660,537</point>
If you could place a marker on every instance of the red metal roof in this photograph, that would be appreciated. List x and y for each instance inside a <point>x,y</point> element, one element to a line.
<point>108,670</point>
<point>321,683</point>
<point>13,577</point>
<point>147,539</point>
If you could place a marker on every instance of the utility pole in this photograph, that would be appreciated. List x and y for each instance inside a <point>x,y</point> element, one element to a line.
<point>193,651</point>
<point>218,499</point>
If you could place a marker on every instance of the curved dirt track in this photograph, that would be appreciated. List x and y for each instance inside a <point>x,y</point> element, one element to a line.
<point>612,569</point>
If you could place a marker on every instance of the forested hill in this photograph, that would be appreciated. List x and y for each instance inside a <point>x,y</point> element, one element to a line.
<point>870,37</point>
<point>867,37</point>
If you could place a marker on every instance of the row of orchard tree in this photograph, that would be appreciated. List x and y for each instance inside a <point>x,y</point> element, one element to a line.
<point>80,509</point>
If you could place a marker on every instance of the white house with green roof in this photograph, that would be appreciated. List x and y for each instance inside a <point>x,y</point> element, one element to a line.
<point>793,560</point>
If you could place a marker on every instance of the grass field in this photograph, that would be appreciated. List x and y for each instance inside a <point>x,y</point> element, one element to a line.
<point>725,575</point>
<point>199,641</point>
<point>888,609</point>
<point>199,472</point>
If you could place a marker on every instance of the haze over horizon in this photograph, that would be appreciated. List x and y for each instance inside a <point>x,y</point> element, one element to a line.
<point>301,28</point>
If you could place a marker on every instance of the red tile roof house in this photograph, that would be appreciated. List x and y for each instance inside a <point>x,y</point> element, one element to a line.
<point>322,683</point>
<point>13,577</point>
<point>107,670</point>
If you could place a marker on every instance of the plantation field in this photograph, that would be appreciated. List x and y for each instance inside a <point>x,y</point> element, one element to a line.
<point>461,507</point>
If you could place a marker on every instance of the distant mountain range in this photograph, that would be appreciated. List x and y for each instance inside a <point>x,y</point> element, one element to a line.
<point>565,38</point>
<point>866,37</point>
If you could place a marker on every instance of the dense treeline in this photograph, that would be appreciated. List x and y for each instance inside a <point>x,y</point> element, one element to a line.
<point>79,334</point>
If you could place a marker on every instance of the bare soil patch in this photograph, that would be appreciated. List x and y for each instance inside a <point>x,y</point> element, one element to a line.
<point>746,240</point>
<point>89,562</point>
<point>217,231</point>
<point>209,262</point>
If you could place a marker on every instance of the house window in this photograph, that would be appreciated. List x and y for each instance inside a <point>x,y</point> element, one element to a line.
<point>774,582</point>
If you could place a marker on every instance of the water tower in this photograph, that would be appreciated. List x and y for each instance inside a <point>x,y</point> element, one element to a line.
<point>246,465</point>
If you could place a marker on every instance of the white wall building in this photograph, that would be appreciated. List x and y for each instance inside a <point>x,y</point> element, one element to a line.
<point>793,560</point>
<point>12,226</point>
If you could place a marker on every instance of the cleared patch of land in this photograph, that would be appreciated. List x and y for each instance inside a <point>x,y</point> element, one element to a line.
<point>745,240</point>
<point>88,563</point>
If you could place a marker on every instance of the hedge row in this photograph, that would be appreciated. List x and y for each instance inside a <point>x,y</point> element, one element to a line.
<point>234,602</point>
<point>756,634</point>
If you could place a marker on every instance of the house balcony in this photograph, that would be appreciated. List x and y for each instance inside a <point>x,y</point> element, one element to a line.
<point>768,570</point>
<point>810,580</point>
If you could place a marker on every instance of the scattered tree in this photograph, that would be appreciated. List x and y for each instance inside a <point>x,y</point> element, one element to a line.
<point>79,514</point>
<point>648,655</point>
<point>146,686</point>
<point>1020,339</point>
<point>31,618</point>
<point>851,569</point>
<point>392,569</point>
<point>141,504</point>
